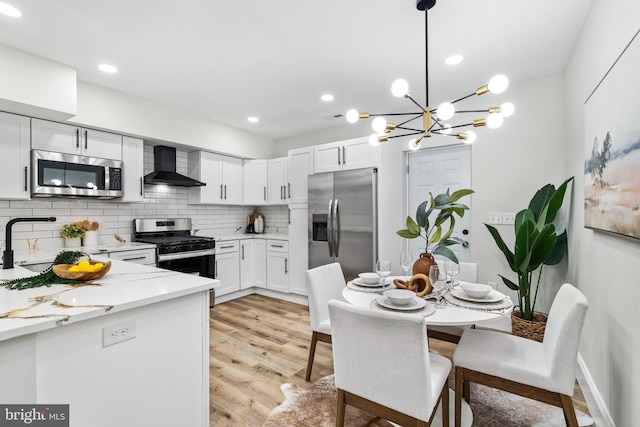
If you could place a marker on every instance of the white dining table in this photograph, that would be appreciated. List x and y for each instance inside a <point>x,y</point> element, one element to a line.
<point>450,315</point>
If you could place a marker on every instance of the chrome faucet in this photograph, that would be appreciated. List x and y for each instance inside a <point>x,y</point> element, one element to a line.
<point>7,255</point>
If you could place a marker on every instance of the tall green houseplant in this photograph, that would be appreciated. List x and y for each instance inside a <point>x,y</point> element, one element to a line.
<point>437,235</point>
<point>536,243</point>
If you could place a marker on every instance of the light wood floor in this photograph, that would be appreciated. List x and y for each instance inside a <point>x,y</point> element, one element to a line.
<point>258,343</point>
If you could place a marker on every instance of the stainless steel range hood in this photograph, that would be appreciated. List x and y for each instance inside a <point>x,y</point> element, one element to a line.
<point>164,169</point>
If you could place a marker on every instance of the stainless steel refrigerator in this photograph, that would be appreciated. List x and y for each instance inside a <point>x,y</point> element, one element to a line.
<point>343,223</point>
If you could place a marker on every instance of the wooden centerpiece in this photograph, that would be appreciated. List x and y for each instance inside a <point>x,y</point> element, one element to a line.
<point>84,270</point>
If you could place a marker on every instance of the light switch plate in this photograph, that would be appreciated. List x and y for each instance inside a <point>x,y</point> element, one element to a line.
<point>508,218</point>
<point>495,218</point>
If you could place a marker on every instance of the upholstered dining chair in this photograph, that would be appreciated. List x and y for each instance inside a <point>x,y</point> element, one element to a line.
<point>543,371</point>
<point>325,282</point>
<point>382,365</point>
<point>468,273</point>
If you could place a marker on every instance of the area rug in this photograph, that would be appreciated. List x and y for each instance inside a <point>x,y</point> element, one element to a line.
<point>315,405</point>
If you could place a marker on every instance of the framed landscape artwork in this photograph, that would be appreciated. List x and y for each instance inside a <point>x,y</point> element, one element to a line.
<point>612,148</point>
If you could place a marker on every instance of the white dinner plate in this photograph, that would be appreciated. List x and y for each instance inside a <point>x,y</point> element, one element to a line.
<point>493,296</point>
<point>415,304</point>
<point>358,281</point>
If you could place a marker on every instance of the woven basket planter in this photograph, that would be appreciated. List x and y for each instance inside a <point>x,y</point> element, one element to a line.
<point>531,329</point>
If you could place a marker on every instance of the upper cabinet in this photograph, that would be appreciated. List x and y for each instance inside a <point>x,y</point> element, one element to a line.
<point>14,162</point>
<point>63,138</point>
<point>344,155</point>
<point>277,191</point>
<point>133,159</point>
<point>255,182</point>
<point>222,176</point>
<point>299,165</point>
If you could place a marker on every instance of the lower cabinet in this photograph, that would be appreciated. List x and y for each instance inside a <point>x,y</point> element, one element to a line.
<point>278,265</point>
<point>138,256</point>
<point>227,267</point>
<point>253,263</point>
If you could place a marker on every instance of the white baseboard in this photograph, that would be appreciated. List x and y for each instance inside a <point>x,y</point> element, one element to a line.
<point>597,407</point>
<point>298,299</point>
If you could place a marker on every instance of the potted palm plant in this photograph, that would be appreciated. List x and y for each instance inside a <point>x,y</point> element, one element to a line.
<point>537,243</point>
<point>437,234</point>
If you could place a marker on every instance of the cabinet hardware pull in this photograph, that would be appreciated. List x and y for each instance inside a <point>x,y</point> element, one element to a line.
<point>344,156</point>
<point>25,178</point>
<point>289,190</point>
<point>286,267</point>
<point>221,192</point>
<point>215,269</point>
<point>134,259</point>
<point>77,138</point>
<point>86,139</point>
<point>226,247</point>
<point>277,246</point>
<point>225,191</point>
<point>265,193</point>
<point>242,251</point>
<point>281,188</point>
<point>141,187</point>
<point>289,217</point>
<point>339,156</point>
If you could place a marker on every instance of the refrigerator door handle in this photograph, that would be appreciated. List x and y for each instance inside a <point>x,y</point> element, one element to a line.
<point>330,227</point>
<point>336,228</point>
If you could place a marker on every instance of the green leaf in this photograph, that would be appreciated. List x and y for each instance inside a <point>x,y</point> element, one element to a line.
<point>502,246</point>
<point>406,234</point>
<point>452,225</point>
<point>441,200</point>
<point>457,195</point>
<point>412,226</point>
<point>445,252</point>
<point>435,237</point>
<point>509,283</point>
<point>558,250</point>
<point>524,241</point>
<point>422,216</point>
<point>556,201</point>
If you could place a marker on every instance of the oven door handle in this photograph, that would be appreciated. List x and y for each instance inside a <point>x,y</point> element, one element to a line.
<point>188,254</point>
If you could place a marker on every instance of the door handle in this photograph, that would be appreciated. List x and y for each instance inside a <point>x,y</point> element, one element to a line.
<point>336,228</point>
<point>265,193</point>
<point>26,175</point>
<point>288,190</point>
<point>465,231</point>
<point>215,269</point>
<point>344,156</point>
<point>86,139</point>
<point>330,228</point>
<point>77,138</point>
<point>286,266</point>
<point>225,191</point>
<point>141,187</point>
<point>221,192</point>
<point>339,156</point>
<point>242,251</point>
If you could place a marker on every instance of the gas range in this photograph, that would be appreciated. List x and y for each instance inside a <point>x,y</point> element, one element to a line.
<point>173,238</point>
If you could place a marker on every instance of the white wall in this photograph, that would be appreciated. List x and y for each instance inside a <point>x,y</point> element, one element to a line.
<point>603,266</point>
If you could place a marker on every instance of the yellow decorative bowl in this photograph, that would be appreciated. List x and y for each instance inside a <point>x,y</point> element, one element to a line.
<point>62,271</point>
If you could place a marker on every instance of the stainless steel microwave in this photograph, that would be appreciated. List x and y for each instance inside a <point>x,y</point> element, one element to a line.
<point>70,175</point>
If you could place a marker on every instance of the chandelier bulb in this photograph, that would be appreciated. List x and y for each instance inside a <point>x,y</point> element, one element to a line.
<point>400,88</point>
<point>445,111</point>
<point>445,129</point>
<point>494,120</point>
<point>507,109</point>
<point>352,115</point>
<point>414,144</point>
<point>373,140</point>
<point>471,137</point>
<point>379,124</point>
<point>498,84</point>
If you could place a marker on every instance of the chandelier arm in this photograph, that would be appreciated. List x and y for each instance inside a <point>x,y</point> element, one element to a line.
<point>415,102</point>
<point>473,111</point>
<point>426,54</point>
<point>411,129</point>
<point>405,134</point>
<point>460,126</point>
<point>396,114</point>
<point>463,98</point>
<point>417,116</point>
<point>439,132</point>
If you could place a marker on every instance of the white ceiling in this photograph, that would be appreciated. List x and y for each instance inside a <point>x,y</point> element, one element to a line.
<point>229,59</point>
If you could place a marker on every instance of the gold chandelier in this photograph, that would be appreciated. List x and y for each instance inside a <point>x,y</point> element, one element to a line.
<point>435,121</point>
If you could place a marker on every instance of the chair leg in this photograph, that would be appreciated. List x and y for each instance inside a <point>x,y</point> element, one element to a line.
<point>444,402</point>
<point>458,397</point>
<point>569,411</point>
<point>340,410</point>
<point>312,352</point>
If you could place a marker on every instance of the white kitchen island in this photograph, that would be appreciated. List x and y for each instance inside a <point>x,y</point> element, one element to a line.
<point>52,347</point>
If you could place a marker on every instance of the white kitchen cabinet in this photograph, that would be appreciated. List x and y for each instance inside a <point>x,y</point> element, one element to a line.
<point>227,267</point>
<point>253,263</point>
<point>345,155</point>
<point>255,182</point>
<point>15,140</point>
<point>277,183</point>
<point>138,256</point>
<point>299,166</point>
<point>222,176</point>
<point>64,138</point>
<point>298,248</point>
<point>278,265</point>
<point>133,165</point>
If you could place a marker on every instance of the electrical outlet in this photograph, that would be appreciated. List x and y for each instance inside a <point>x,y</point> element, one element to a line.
<point>508,218</point>
<point>495,218</point>
<point>117,333</point>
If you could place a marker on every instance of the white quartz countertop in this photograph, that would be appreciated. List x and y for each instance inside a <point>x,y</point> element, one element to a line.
<point>243,236</point>
<point>126,286</point>
<point>48,255</point>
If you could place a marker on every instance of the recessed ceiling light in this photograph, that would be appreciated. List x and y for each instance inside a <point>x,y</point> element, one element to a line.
<point>454,59</point>
<point>108,68</point>
<point>327,97</point>
<point>253,119</point>
<point>7,9</point>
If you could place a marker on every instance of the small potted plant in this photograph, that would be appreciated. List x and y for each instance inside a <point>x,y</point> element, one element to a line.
<point>537,243</point>
<point>72,233</point>
<point>437,234</point>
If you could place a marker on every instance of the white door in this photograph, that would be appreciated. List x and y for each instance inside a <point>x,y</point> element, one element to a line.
<point>433,171</point>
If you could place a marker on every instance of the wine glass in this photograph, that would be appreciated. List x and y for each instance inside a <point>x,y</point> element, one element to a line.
<point>406,261</point>
<point>438,279</point>
<point>383,268</point>
<point>452,268</point>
